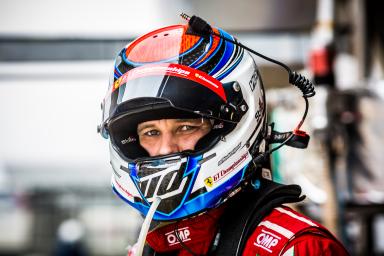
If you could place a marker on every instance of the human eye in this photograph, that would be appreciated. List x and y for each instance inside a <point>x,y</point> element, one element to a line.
<point>151,133</point>
<point>188,128</point>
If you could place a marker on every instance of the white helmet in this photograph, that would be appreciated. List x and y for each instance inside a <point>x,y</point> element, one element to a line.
<point>171,73</point>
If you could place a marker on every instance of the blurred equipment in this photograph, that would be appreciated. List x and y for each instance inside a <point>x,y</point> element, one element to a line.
<point>357,126</point>
<point>70,237</point>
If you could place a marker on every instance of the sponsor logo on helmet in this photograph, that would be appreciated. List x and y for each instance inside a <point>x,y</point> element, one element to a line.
<point>128,140</point>
<point>218,126</point>
<point>174,237</point>
<point>260,111</point>
<point>233,151</point>
<point>117,83</point>
<point>150,70</point>
<point>258,115</point>
<point>123,189</point>
<point>253,81</point>
<point>147,70</point>
<point>209,181</point>
<point>266,240</point>
<point>206,80</point>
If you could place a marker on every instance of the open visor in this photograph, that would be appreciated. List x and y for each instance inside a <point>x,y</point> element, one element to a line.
<point>161,91</point>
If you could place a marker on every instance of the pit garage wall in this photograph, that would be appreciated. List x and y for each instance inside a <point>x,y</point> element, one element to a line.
<point>129,18</point>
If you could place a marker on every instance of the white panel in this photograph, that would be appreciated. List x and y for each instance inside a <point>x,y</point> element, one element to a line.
<point>129,18</point>
<point>49,113</point>
<point>87,18</point>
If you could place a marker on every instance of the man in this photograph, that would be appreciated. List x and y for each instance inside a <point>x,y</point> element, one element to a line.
<point>185,114</point>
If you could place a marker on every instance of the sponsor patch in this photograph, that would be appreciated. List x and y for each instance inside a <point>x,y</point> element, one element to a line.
<point>267,240</point>
<point>183,234</point>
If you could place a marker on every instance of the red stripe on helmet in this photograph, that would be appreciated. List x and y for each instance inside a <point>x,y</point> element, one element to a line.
<point>176,70</point>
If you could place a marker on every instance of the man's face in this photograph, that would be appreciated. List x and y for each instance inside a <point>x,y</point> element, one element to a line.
<point>166,136</point>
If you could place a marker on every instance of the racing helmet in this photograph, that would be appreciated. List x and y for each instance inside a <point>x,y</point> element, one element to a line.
<point>173,73</point>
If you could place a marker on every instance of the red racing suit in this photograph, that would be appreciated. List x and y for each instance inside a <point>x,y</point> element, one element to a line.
<point>283,232</point>
<point>286,232</point>
<point>273,230</point>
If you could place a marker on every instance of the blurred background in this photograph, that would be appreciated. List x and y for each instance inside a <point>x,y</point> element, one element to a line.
<point>55,60</point>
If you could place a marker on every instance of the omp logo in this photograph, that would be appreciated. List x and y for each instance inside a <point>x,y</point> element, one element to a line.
<point>164,184</point>
<point>182,233</point>
<point>267,240</point>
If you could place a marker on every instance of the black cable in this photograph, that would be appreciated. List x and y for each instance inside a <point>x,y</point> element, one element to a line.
<point>179,238</point>
<point>202,28</point>
<point>260,158</point>
<point>181,242</point>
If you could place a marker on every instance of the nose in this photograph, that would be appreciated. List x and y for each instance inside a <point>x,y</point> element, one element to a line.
<point>168,144</point>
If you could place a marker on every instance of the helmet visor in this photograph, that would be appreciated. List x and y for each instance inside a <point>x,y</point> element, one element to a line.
<point>151,86</point>
<point>164,91</point>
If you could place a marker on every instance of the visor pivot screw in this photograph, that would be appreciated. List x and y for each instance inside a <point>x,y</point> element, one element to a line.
<point>224,109</point>
<point>243,108</point>
<point>236,86</point>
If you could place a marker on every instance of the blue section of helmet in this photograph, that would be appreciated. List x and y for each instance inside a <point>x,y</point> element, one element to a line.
<point>200,203</point>
<point>209,57</point>
<point>192,168</point>
<point>175,58</point>
<point>132,168</point>
<point>118,71</point>
<point>202,55</point>
<point>135,179</point>
<point>229,70</point>
<point>225,58</point>
<point>192,165</point>
<point>204,201</point>
<point>211,198</point>
<point>228,51</point>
